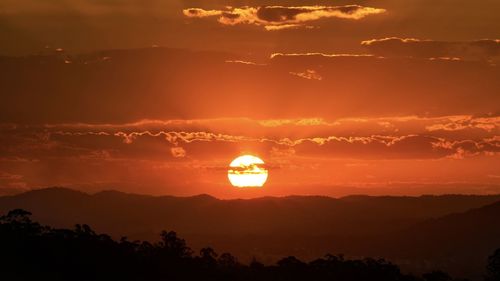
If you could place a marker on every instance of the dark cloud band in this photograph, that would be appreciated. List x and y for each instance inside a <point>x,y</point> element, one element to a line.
<point>281,17</point>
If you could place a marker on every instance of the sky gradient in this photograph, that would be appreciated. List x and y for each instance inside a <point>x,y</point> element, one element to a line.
<point>337,97</point>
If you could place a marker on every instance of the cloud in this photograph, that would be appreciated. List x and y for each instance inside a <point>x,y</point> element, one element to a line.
<point>280,17</point>
<point>294,122</point>
<point>8,176</point>
<point>396,147</point>
<point>178,152</point>
<point>245,62</point>
<point>181,136</point>
<point>489,124</point>
<point>285,26</point>
<point>452,123</point>
<point>167,153</point>
<point>321,55</point>
<point>469,148</point>
<point>201,13</point>
<point>361,138</point>
<point>308,74</point>
<point>482,50</point>
<point>435,88</point>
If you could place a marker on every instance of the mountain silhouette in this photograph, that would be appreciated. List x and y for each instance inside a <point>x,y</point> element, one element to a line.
<point>131,214</point>
<point>451,232</point>
<point>456,242</point>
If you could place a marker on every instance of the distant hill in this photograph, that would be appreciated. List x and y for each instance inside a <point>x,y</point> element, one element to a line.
<point>417,232</point>
<point>136,215</point>
<point>459,243</point>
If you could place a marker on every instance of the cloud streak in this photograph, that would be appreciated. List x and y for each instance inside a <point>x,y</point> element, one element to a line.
<point>321,55</point>
<point>274,18</point>
<point>309,74</point>
<point>482,50</point>
<point>399,138</point>
<point>165,153</point>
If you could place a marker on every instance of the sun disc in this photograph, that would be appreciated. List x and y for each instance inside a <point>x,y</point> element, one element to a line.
<point>247,171</point>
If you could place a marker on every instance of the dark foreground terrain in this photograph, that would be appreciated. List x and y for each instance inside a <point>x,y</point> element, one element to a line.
<point>31,251</point>
<point>453,233</point>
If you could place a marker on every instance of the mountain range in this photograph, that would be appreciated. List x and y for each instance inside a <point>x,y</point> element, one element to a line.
<point>455,233</point>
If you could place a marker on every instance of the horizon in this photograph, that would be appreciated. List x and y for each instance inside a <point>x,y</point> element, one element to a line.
<point>62,188</point>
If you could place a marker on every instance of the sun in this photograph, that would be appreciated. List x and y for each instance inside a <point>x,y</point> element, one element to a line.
<point>247,171</point>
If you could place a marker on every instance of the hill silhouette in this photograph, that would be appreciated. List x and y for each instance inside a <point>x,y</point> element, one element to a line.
<point>419,233</point>
<point>294,215</point>
<point>33,251</point>
<point>457,243</point>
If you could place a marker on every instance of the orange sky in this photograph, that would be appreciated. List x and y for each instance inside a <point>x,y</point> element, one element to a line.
<point>338,97</point>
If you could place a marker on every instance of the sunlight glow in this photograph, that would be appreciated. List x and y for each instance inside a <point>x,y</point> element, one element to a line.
<point>247,171</point>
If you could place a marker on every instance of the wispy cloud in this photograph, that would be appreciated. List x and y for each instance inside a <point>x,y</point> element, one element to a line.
<point>274,18</point>
<point>162,152</point>
<point>467,122</point>
<point>376,138</point>
<point>279,55</point>
<point>308,74</point>
<point>178,152</point>
<point>485,50</point>
<point>245,62</point>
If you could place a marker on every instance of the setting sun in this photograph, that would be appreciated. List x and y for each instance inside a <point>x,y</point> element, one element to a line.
<point>247,171</point>
<point>250,140</point>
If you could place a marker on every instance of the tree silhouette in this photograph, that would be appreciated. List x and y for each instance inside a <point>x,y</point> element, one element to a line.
<point>16,215</point>
<point>29,251</point>
<point>174,246</point>
<point>493,268</point>
<point>208,256</point>
<point>436,276</point>
<point>227,260</point>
